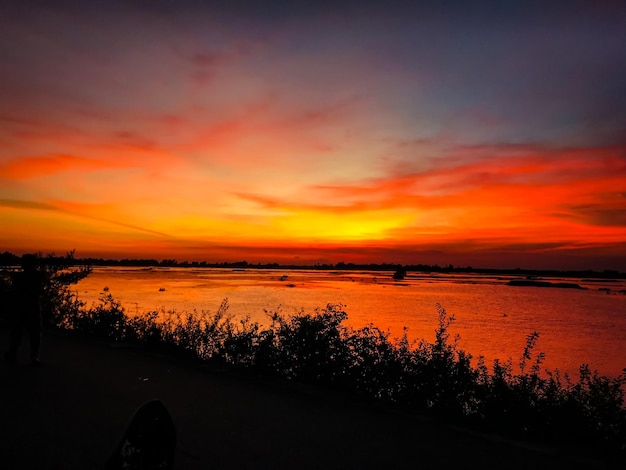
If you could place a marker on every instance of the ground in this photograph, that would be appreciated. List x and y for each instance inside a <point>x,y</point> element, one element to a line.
<point>69,413</point>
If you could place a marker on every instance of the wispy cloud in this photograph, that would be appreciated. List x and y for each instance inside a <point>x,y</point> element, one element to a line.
<point>76,210</point>
<point>17,204</point>
<point>563,196</point>
<point>27,167</point>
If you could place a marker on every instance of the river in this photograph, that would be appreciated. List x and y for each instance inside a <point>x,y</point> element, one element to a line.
<point>492,318</point>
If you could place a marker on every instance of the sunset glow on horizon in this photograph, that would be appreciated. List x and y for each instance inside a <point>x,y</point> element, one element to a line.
<point>493,136</point>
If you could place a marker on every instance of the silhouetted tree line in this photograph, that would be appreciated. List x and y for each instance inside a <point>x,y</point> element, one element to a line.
<point>10,259</point>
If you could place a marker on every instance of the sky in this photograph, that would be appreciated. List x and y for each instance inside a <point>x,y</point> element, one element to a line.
<point>485,135</point>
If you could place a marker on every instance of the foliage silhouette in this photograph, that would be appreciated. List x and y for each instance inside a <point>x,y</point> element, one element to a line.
<point>59,302</point>
<point>437,377</point>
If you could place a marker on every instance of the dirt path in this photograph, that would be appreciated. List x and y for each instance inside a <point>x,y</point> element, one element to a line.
<point>70,412</point>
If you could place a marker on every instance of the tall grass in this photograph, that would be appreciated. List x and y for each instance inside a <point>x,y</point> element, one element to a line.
<point>436,377</point>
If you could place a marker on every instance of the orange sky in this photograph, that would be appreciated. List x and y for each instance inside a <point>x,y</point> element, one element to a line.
<point>147,132</point>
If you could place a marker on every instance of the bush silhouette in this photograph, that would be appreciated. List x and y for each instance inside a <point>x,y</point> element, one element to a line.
<point>437,377</point>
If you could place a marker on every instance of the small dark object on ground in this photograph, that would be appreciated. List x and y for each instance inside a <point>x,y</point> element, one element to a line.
<point>149,441</point>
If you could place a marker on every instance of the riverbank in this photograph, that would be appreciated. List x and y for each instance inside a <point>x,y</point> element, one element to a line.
<point>493,319</point>
<point>70,412</point>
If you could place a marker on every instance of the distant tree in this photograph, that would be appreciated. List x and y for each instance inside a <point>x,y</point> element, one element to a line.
<point>9,259</point>
<point>399,274</point>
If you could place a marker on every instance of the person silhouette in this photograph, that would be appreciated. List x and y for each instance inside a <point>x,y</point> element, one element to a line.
<point>28,286</point>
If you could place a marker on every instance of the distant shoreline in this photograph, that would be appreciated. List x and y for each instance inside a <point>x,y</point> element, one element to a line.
<point>532,283</point>
<point>9,259</point>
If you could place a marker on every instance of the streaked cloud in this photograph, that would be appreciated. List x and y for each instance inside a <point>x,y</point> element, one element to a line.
<point>78,210</point>
<point>26,167</point>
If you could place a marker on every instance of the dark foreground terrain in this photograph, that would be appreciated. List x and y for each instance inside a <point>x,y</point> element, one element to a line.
<point>70,412</point>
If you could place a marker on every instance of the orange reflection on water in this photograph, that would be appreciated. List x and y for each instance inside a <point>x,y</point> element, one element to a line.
<point>492,319</point>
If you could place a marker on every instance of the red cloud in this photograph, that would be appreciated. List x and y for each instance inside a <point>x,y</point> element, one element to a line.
<point>485,170</point>
<point>554,199</point>
<point>27,167</point>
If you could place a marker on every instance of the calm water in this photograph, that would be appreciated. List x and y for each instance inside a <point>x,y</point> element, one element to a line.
<point>493,319</point>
